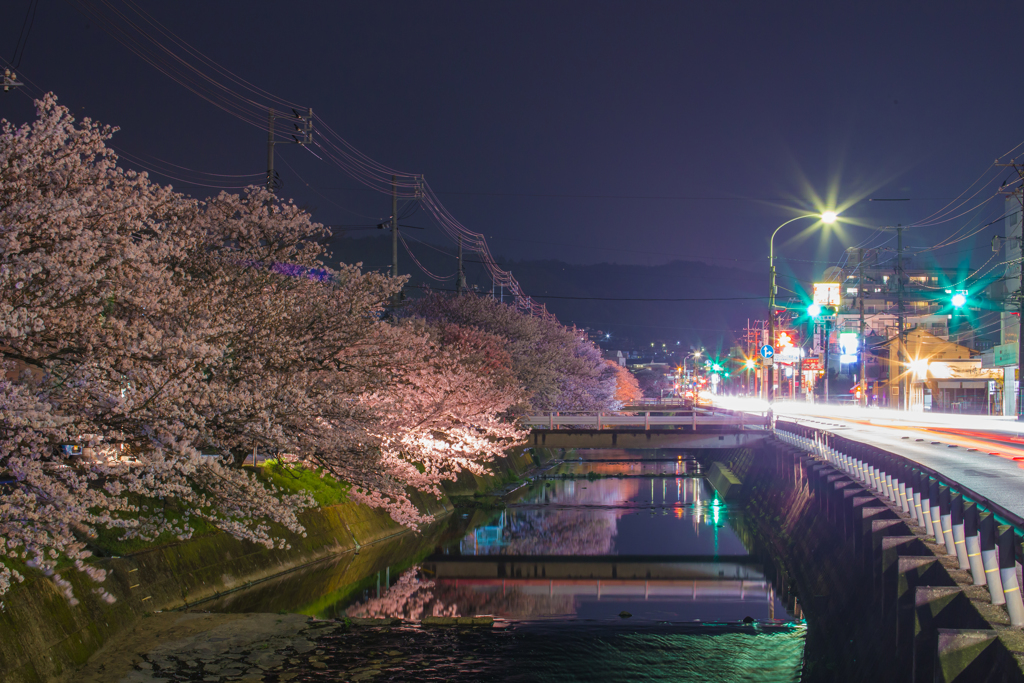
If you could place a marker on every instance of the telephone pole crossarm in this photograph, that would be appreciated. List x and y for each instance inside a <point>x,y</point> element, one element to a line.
<point>306,130</point>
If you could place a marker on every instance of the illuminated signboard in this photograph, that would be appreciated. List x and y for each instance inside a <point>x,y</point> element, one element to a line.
<point>812,364</point>
<point>826,293</point>
<point>849,344</point>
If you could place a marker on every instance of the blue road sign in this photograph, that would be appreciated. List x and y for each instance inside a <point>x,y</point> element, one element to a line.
<point>767,351</point>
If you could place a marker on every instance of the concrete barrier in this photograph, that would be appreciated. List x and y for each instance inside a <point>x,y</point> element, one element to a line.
<point>939,600</point>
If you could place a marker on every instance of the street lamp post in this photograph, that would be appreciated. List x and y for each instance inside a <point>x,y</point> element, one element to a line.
<point>825,217</point>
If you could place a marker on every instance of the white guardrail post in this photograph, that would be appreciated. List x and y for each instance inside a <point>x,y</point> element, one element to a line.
<point>972,536</point>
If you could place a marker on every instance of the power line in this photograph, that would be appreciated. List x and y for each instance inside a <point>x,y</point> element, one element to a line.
<point>30,20</point>
<point>603,298</point>
<point>569,195</point>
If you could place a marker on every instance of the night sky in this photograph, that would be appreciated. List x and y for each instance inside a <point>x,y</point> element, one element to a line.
<point>630,132</point>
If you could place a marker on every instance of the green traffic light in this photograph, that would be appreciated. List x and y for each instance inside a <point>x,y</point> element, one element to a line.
<point>958,300</point>
<point>814,310</point>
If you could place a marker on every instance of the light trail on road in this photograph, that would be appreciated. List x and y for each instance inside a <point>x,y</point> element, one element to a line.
<point>983,453</point>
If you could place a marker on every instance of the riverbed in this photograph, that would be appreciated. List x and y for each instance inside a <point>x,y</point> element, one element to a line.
<point>612,565</point>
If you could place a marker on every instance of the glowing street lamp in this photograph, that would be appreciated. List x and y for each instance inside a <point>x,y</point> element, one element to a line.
<point>827,217</point>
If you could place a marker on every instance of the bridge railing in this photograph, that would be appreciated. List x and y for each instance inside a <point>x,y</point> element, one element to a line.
<point>646,421</point>
<point>666,402</point>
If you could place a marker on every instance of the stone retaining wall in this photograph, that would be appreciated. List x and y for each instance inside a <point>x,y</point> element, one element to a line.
<point>884,601</point>
<point>44,638</point>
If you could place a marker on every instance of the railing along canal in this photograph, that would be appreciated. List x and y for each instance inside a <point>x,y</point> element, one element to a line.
<point>981,534</point>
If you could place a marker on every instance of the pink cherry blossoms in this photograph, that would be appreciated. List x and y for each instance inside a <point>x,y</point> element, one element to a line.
<point>150,342</point>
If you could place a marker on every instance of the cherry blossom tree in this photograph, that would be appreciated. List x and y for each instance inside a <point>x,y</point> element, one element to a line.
<point>558,368</point>
<point>627,388</point>
<point>92,346</point>
<point>146,328</point>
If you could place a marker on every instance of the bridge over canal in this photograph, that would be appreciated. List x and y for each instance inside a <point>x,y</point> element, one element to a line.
<point>669,428</point>
<point>694,578</point>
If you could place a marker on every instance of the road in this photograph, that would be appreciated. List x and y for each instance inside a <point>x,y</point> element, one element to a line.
<point>984,454</point>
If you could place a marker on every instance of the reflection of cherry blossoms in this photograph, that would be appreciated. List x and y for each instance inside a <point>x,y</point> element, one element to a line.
<point>569,531</point>
<point>413,597</point>
<point>410,598</point>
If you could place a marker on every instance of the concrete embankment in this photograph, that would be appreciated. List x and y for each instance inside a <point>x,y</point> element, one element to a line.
<point>884,601</point>
<point>44,638</point>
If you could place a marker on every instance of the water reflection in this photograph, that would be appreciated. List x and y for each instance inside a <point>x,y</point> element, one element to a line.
<point>590,541</point>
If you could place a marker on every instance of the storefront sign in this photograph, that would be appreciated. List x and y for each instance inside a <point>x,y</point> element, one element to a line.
<point>811,364</point>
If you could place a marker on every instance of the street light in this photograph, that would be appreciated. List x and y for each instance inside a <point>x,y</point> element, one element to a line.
<point>827,217</point>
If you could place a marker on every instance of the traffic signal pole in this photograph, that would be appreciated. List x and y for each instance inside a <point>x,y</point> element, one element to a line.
<point>827,329</point>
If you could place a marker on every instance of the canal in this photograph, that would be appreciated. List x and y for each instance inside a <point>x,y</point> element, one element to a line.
<point>610,565</point>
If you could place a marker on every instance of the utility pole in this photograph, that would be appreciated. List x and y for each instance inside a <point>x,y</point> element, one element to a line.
<point>904,401</point>
<point>863,344</point>
<point>394,236</point>
<point>1020,339</point>
<point>270,152</point>
<point>1019,194</point>
<point>394,227</point>
<point>462,275</point>
<point>10,81</point>
<point>305,130</point>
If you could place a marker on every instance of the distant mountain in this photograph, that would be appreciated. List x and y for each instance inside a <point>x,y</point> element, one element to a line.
<point>587,291</point>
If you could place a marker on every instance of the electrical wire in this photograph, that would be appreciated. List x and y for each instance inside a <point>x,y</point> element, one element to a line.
<point>440,278</point>
<point>437,249</point>
<point>601,298</point>
<point>122,152</point>
<point>30,20</point>
<point>325,197</point>
<point>939,212</point>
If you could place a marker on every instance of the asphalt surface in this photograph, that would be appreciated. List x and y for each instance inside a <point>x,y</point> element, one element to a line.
<point>984,454</point>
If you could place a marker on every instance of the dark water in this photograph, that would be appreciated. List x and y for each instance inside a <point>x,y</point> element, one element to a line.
<point>608,568</point>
